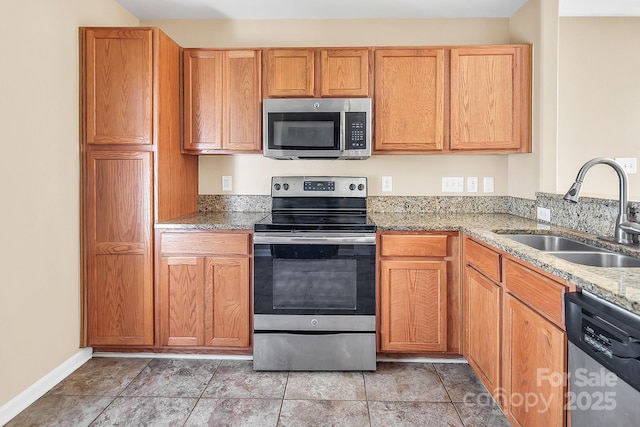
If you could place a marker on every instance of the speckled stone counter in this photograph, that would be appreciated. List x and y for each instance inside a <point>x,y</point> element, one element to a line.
<point>227,220</point>
<point>618,285</point>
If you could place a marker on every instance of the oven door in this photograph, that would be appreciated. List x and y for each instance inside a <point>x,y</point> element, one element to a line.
<point>314,274</point>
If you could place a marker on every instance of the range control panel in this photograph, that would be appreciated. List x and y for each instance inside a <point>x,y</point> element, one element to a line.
<point>318,186</point>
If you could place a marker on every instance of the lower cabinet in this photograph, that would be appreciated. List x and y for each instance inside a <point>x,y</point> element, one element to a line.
<point>514,337</point>
<point>534,367</point>
<point>204,289</point>
<point>415,295</point>
<point>483,329</point>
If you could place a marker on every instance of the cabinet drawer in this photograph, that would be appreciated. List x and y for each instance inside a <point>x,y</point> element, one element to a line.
<point>410,245</point>
<point>537,291</point>
<point>198,243</point>
<point>484,259</point>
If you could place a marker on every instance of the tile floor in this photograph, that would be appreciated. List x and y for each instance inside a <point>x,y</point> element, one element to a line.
<point>192,392</point>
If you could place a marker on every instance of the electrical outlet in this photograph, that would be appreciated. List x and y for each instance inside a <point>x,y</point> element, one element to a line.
<point>452,184</point>
<point>472,184</point>
<point>629,164</point>
<point>227,183</point>
<point>488,184</point>
<point>544,214</point>
<point>387,183</point>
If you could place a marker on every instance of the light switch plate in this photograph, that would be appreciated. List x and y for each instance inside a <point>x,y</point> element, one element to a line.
<point>488,184</point>
<point>472,184</point>
<point>227,183</point>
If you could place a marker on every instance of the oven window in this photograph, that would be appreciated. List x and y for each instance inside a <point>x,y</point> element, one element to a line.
<point>291,131</point>
<point>314,279</point>
<point>314,284</point>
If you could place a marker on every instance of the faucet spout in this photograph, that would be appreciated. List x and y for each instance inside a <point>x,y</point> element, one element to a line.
<point>621,236</point>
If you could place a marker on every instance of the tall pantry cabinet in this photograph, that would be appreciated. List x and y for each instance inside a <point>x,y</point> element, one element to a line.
<point>132,175</point>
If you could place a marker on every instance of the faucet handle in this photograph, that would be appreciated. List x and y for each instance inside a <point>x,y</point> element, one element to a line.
<point>630,227</point>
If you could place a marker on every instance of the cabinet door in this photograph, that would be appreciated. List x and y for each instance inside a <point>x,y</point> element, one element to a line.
<point>482,332</point>
<point>413,312</point>
<point>203,100</point>
<point>345,72</point>
<point>409,100</point>
<point>490,97</point>
<point>227,302</point>
<point>534,367</point>
<point>290,72</point>
<point>242,97</point>
<point>119,272</point>
<point>118,83</point>
<point>181,301</point>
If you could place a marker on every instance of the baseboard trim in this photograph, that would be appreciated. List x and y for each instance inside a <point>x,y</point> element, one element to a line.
<point>173,356</point>
<point>19,403</point>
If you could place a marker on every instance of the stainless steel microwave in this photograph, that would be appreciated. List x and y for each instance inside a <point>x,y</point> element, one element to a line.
<point>317,128</point>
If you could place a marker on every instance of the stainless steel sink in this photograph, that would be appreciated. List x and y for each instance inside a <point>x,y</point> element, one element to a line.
<point>574,251</point>
<point>599,259</point>
<point>547,242</point>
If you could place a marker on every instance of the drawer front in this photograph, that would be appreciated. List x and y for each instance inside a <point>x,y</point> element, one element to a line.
<point>537,291</point>
<point>198,243</point>
<point>410,245</point>
<point>483,259</point>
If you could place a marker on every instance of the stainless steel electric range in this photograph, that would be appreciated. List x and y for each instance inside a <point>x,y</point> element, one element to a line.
<point>314,277</point>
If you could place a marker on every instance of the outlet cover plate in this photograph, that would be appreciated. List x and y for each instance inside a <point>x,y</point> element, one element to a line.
<point>543,214</point>
<point>629,164</point>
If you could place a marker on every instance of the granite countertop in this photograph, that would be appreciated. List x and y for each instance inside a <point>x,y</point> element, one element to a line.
<point>618,285</point>
<point>226,220</point>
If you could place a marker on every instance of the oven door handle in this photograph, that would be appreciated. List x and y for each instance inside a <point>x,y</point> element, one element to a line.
<point>313,239</point>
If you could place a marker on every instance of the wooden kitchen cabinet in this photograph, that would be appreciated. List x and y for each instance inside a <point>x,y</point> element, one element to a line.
<point>535,347</point>
<point>483,314</point>
<point>221,101</point>
<point>204,289</point>
<point>514,334</point>
<point>409,100</point>
<point>491,98</point>
<point>118,88</point>
<point>335,72</point>
<point>419,300</point>
<point>132,175</point>
<point>119,275</point>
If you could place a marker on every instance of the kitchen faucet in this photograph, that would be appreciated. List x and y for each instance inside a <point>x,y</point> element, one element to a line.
<point>625,231</point>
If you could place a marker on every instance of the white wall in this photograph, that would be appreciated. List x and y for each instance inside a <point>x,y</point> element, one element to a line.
<point>537,23</point>
<point>39,183</point>
<point>412,175</point>
<point>599,101</point>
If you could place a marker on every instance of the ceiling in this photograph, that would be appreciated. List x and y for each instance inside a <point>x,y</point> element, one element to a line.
<point>362,9</point>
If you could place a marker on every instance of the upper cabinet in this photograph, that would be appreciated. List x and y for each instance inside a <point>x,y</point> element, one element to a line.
<point>491,98</point>
<point>345,72</point>
<point>340,72</point>
<point>118,86</point>
<point>222,98</point>
<point>132,175</point>
<point>409,100</point>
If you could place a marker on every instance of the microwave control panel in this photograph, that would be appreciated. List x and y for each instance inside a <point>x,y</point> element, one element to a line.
<point>356,132</point>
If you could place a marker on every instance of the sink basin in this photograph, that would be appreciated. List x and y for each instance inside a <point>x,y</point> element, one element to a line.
<point>574,251</point>
<point>547,242</point>
<point>598,259</point>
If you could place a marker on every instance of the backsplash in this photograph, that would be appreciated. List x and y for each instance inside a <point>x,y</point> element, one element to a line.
<point>591,215</point>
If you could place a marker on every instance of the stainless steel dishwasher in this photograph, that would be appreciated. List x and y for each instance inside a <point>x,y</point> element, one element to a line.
<point>604,362</point>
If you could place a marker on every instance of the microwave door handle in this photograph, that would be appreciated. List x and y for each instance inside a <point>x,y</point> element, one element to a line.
<point>343,125</point>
